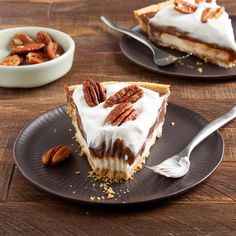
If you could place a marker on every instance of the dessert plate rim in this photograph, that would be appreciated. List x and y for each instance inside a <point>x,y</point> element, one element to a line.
<point>32,171</point>
<point>131,49</point>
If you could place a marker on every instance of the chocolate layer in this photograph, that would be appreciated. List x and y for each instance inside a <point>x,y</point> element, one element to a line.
<point>72,105</point>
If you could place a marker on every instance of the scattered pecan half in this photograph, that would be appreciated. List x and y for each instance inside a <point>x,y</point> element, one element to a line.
<point>23,49</point>
<point>36,57</point>
<point>184,7</point>
<point>121,113</point>
<point>43,37</point>
<point>209,14</point>
<point>56,154</point>
<point>94,92</point>
<point>130,93</point>
<point>12,60</point>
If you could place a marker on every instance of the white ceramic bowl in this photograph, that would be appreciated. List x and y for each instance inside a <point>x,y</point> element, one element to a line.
<point>28,76</point>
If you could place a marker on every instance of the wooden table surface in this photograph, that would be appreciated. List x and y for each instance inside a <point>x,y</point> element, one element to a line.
<point>209,209</point>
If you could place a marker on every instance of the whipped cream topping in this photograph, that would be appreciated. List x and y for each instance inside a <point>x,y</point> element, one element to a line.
<point>134,133</point>
<point>216,31</point>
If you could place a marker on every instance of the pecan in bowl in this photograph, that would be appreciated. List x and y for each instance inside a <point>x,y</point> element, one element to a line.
<point>34,56</point>
<point>43,48</point>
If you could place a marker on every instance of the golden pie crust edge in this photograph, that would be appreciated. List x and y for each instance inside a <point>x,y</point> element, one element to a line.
<point>148,9</point>
<point>160,88</point>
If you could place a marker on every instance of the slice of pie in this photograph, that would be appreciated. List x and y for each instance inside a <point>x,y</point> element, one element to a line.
<point>116,123</point>
<point>200,27</point>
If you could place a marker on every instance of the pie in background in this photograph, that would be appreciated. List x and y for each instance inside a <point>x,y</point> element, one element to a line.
<point>200,27</point>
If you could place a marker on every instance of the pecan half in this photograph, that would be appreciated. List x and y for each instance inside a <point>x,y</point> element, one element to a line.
<point>218,12</point>
<point>184,7</point>
<point>36,57</point>
<point>130,93</point>
<point>56,154</point>
<point>121,113</point>
<point>94,92</point>
<point>206,14</point>
<point>23,49</point>
<point>209,14</point>
<point>54,50</point>
<point>199,1</point>
<point>43,37</point>
<point>12,60</point>
<point>21,39</point>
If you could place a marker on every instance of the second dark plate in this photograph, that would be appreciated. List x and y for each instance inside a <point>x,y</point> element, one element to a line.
<point>54,127</point>
<point>141,55</point>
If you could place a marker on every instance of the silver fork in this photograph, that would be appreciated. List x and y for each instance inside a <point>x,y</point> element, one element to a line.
<point>178,165</point>
<point>160,58</point>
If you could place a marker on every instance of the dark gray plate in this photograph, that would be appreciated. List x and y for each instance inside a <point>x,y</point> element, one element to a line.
<point>54,127</point>
<point>142,56</point>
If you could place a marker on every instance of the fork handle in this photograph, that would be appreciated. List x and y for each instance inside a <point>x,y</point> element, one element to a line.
<point>131,33</point>
<point>210,128</point>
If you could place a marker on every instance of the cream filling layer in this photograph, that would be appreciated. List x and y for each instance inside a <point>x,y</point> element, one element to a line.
<point>215,31</point>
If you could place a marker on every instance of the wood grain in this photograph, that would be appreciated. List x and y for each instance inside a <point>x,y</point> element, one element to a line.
<point>208,209</point>
<point>5,180</point>
<point>167,219</point>
<point>220,187</point>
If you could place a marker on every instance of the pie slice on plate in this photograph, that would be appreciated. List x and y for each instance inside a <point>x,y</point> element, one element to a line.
<point>200,27</point>
<point>116,123</point>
